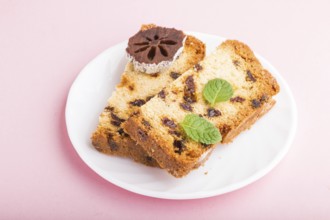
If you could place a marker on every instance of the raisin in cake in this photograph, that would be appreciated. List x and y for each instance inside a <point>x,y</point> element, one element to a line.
<point>136,88</point>
<point>156,127</point>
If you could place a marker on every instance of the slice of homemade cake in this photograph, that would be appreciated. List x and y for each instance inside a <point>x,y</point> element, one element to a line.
<point>214,101</point>
<point>163,54</point>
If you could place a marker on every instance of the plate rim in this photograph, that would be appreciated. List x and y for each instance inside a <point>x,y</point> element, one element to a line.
<point>196,195</point>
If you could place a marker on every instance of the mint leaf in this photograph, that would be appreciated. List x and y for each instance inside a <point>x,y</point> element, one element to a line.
<point>217,90</point>
<point>200,130</point>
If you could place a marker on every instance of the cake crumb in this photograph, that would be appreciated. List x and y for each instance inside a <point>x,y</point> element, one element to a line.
<point>205,173</point>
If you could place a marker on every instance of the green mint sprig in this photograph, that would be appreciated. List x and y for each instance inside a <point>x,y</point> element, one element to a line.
<point>200,130</point>
<point>217,90</point>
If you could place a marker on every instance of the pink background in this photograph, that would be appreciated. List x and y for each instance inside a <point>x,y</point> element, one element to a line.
<point>44,45</point>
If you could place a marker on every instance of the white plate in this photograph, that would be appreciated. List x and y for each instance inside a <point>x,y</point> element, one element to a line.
<point>253,153</point>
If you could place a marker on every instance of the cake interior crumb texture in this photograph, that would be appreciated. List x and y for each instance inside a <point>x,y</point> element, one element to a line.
<point>156,125</point>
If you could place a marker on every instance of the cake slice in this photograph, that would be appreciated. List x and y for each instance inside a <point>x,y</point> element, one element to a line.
<point>157,127</point>
<point>136,88</point>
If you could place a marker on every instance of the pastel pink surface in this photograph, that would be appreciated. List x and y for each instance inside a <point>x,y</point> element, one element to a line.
<point>44,45</point>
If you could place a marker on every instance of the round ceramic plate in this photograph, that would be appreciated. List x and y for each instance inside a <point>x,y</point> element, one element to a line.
<point>252,154</point>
